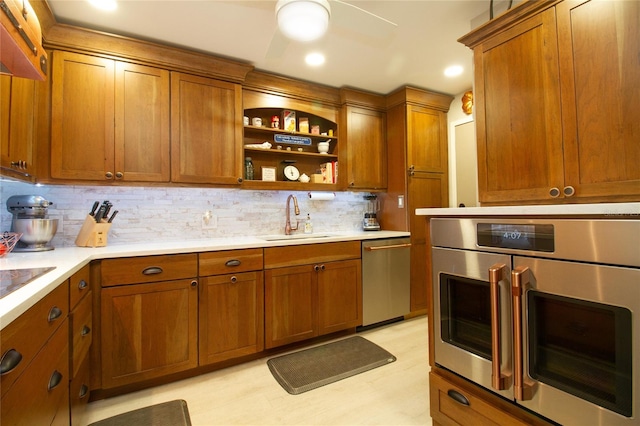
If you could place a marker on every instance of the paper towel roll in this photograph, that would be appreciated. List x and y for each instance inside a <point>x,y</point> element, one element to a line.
<point>322,196</point>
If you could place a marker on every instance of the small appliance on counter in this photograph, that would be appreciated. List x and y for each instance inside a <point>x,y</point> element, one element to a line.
<point>370,221</point>
<point>30,219</point>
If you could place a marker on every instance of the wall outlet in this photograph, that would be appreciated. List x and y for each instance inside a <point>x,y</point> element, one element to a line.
<point>209,221</point>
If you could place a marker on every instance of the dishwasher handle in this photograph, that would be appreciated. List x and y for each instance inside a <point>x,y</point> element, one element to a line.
<point>393,246</point>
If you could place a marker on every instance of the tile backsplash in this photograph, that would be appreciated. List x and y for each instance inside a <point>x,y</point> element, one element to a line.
<point>171,214</point>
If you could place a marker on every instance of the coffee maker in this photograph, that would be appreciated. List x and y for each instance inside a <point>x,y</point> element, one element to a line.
<point>370,221</point>
<point>30,219</point>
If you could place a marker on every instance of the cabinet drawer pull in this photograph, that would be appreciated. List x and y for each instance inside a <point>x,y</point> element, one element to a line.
<point>85,330</point>
<point>458,397</point>
<point>234,279</point>
<point>84,391</point>
<point>54,380</point>
<point>82,285</point>
<point>233,262</point>
<point>54,314</point>
<point>9,361</point>
<point>152,270</point>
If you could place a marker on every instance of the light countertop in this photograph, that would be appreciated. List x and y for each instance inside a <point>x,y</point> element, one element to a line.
<point>621,210</point>
<point>68,260</point>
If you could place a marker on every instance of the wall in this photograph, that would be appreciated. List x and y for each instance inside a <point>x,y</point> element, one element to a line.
<point>170,214</point>
<point>455,117</point>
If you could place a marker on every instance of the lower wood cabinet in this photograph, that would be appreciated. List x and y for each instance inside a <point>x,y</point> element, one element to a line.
<point>231,305</point>
<point>316,295</point>
<point>148,330</point>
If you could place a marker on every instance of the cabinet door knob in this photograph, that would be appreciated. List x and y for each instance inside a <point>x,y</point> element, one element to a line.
<point>82,285</point>
<point>316,268</point>
<point>119,175</point>
<point>108,175</point>
<point>322,267</point>
<point>234,279</point>
<point>10,360</point>
<point>194,283</point>
<point>554,192</point>
<point>85,330</point>
<point>54,314</point>
<point>568,191</point>
<point>84,390</point>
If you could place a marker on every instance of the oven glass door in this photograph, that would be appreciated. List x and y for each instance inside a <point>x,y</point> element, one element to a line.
<point>463,315</point>
<point>579,341</point>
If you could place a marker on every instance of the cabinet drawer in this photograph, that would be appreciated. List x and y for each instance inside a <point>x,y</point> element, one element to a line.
<point>136,270</point>
<point>23,338</point>
<point>229,262</point>
<point>446,410</point>
<point>81,333</point>
<point>277,257</point>
<point>35,397</point>
<point>79,393</point>
<point>79,286</point>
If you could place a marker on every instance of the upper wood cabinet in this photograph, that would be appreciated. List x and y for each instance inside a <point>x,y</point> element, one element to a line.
<point>109,120</point>
<point>206,130</point>
<point>365,149</point>
<point>17,112</point>
<point>555,98</point>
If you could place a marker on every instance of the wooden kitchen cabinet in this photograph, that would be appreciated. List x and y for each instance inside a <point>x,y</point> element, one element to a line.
<point>555,95</point>
<point>311,290</point>
<point>149,328</point>
<point>418,174</point>
<point>365,148</point>
<point>109,120</point>
<point>17,117</point>
<point>206,130</point>
<point>35,388</point>
<point>231,305</point>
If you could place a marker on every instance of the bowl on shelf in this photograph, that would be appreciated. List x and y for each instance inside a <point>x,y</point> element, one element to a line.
<point>323,147</point>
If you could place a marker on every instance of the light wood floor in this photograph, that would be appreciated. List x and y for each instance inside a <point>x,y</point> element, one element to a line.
<point>247,394</point>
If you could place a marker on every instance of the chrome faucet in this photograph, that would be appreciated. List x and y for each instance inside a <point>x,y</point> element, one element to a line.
<point>287,227</point>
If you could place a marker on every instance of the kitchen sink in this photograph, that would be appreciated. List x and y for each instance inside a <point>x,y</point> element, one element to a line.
<point>293,237</point>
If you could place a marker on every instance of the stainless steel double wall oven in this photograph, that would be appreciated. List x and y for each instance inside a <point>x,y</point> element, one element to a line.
<point>545,313</point>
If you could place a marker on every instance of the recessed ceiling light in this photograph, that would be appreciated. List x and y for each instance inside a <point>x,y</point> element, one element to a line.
<point>453,71</point>
<point>104,4</point>
<point>314,59</point>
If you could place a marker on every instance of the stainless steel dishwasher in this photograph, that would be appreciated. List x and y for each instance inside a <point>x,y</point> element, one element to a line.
<point>385,280</point>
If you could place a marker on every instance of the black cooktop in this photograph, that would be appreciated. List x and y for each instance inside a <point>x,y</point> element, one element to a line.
<point>13,279</point>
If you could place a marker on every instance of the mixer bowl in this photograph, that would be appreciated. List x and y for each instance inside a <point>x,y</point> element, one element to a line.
<point>36,233</point>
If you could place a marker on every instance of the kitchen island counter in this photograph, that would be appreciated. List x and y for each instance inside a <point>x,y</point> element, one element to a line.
<point>68,260</point>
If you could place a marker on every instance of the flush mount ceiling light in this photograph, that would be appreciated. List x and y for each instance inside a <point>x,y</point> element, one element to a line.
<point>314,59</point>
<point>303,20</point>
<point>453,71</point>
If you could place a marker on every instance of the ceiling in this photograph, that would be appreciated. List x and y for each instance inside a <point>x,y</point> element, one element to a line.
<point>361,51</point>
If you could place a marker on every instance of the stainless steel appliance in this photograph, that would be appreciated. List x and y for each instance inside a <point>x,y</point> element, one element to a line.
<point>30,219</point>
<point>545,313</point>
<point>370,221</point>
<point>385,280</point>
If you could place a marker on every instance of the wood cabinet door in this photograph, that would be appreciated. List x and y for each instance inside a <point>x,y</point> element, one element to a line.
<point>148,331</point>
<point>231,313</point>
<point>17,126</point>
<point>290,305</point>
<point>82,117</point>
<point>366,149</point>
<point>600,75</point>
<point>141,123</point>
<point>206,130</point>
<point>339,296</point>
<point>518,125</point>
<point>426,140</point>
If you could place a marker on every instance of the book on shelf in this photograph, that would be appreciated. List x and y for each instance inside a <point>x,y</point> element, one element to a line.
<point>329,172</point>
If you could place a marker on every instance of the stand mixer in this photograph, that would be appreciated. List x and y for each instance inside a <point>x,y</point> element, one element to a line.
<point>30,219</point>
<point>370,221</point>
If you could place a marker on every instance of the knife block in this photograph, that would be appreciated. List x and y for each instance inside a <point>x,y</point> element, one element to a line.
<point>93,234</point>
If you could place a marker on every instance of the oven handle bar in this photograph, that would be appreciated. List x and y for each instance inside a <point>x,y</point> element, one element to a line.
<point>520,278</point>
<point>496,274</point>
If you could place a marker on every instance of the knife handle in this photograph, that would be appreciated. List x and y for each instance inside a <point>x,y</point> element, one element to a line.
<point>93,209</point>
